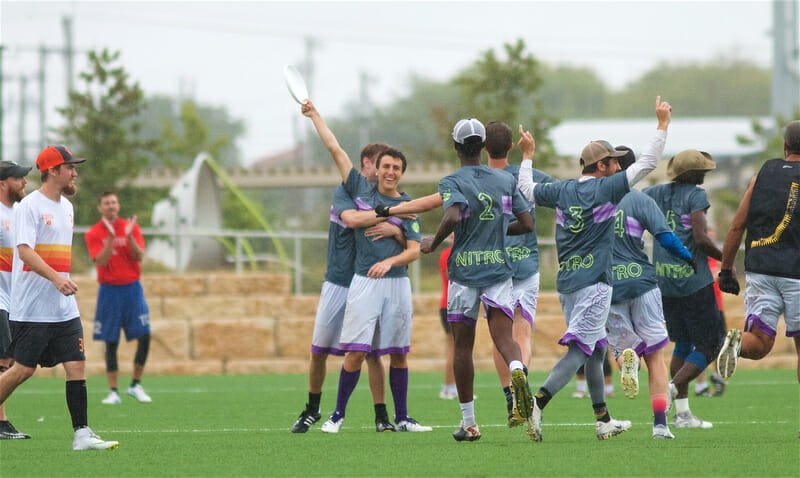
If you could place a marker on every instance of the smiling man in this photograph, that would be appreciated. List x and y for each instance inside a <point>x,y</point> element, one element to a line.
<point>378,314</point>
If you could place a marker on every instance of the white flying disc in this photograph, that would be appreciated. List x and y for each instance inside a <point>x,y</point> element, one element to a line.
<point>296,84</point>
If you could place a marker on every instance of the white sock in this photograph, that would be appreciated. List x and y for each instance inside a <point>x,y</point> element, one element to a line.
<point>608,388</point>
<point>681,405</point>
<point>580,385</point>
<point>468,413</point>
<point>515,365</point>
<point>451,387</point>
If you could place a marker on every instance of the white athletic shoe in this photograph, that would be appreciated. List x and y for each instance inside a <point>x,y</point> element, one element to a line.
<point>138,393</point>
<point>579,394</point>
<point>112,398</point>
<point>606,430</point>
<point>630,373</point>
<point>85,439</point>
<point>672,392</point>
<point>729,354</point>
<point>411,425</point>
<point>447,394</point>
<point>661,432</point>
<point>332,424</point>
<point>535,422</point>
<point>687,420</point>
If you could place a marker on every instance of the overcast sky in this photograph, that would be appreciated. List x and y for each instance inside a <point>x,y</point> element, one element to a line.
<point>232,54</point>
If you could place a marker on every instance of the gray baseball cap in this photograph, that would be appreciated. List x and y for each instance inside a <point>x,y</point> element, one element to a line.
<point>467,128</point>
<point>10,169</point>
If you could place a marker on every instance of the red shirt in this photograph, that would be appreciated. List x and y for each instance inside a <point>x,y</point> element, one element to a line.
<point>122,268</point>
<point>443,272</point>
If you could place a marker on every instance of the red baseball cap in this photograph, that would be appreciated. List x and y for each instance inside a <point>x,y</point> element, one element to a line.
<point>52,156</point>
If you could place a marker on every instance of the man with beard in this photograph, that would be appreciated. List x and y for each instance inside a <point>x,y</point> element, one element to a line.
<point>12,190</point>
<point>45,324</point>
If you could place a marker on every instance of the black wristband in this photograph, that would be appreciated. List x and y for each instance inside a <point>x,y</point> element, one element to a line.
<point>382,211</point>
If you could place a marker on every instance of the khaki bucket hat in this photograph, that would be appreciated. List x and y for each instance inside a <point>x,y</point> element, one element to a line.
<point>689,160</point>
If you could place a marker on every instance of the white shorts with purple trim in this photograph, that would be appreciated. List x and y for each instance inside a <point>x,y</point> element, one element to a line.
<point>586,311</point>
<point>328,323</point>
<point>464,303</point>
<point>378,316</point>
<point>526,296</point>
<point>766,298</point>
<point>637,324</point>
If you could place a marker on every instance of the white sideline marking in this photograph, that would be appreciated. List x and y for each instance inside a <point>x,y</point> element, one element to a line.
<point>328,388</point>
<point>372,427</point>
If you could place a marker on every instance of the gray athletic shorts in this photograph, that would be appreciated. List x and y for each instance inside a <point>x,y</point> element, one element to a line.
<point>464,302</point>
<point>330,315</point>
<point>766,298</point>
<point>586,312</point>
<point>637,324</point>
<point>378,316</point>
<point>526,295</point>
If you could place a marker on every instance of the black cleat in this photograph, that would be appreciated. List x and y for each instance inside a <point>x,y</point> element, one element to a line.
<point>8,432</point>
<point>465,433</point>
<point>383,425</point>
<point>305,420</point>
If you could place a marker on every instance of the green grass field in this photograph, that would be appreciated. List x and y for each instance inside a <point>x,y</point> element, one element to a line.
<point>239,426</point>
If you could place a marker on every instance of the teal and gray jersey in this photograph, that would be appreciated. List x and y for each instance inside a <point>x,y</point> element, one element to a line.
<point>368,252</point>
<point>632,272</point>
<point>585,210</point>
<point>488,199</point>
<point>678,202</point>
<point>341,241</point>
<point>523,250</point>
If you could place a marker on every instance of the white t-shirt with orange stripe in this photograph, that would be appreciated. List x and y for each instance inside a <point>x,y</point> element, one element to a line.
<point>6,254</point>
<point>45,226</point>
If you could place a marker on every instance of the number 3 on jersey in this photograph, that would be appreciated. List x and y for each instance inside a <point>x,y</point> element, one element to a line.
<point>576,212</point>
<point>487,214</point>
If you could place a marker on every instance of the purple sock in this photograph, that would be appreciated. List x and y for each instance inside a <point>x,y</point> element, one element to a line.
<point>398,382</point>
<point>347,383</point>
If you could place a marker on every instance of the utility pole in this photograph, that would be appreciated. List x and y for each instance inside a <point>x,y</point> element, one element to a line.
<point>66,23</point>
<point>364,107</point>
<point>785,58</point>
<point>42,110</point>
<point>23,105</point>
<point>1,102</point>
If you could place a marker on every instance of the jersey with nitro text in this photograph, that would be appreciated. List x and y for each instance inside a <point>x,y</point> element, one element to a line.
<point>488,199</point>
<point>632,273</point>
<point>368,252</point>
<point>585,211</point>
<point>122,267</point>
<point>523,250</point>
<point>675,277</point>
<point>46,227</point>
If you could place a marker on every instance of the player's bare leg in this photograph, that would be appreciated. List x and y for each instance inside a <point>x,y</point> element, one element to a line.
<point>13,378</point>
<point>501,328</point>
<point>756,344</point>
<point>7,430</point>
<point>522,336</point>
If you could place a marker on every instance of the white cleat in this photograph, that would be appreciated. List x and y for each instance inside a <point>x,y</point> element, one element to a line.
<point>332,424</point>
<point>661,432</point>
<point>112,398</point>
<point>535,422</point>
<point>687,420</point>
<point>85,439</point>
<point>137,392</point>
<point>729,354</point>
<point>672,392</point>
<point>579,394</point>
<point>630,373</point>
<point>448,394</point>
<point>606,430</point>
<point>411,425</point>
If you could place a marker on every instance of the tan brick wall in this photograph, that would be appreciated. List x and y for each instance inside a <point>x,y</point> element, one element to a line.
<point>250,323</point>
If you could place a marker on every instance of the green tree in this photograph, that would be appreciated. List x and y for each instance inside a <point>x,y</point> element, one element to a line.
<point>768,135</point>
<point>99,127</point>
<point>722,88</point>
<point>183,138</point>
<point>569,92</point>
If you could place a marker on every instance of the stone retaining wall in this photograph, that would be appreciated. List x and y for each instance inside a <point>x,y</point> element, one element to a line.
<point>251,323</point>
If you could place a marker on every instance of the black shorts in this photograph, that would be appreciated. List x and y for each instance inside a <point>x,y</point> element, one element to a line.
<point>695,319</point>
<point>5,336</point>
<point>445,323</point>
<point>47,343</point>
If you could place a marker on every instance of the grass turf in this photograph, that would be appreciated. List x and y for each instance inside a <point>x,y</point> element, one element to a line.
<point>239,426</point>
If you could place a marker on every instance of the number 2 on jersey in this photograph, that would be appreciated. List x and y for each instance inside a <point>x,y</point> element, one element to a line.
<point>487,214</point>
